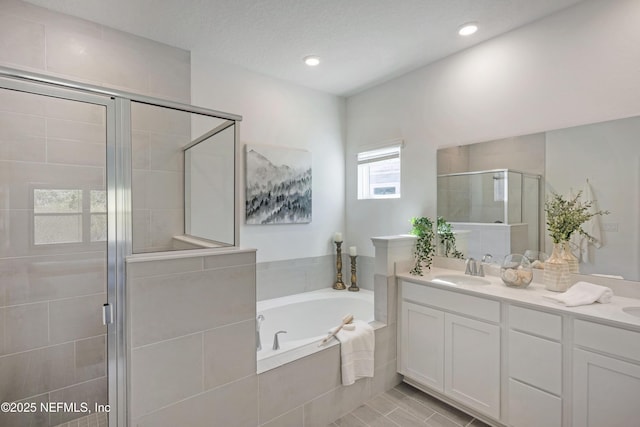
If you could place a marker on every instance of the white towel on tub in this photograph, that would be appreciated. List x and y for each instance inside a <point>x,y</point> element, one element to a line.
<point>584,293</point>
<point>357,346</point>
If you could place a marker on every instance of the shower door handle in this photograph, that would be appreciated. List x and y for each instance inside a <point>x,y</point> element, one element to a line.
<point>107,314</point>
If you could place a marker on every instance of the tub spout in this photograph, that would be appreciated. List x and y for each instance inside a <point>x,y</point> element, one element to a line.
<point>259,321</point>
<point>276,342</point>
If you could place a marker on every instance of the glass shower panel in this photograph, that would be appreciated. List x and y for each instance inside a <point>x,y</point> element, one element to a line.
<point>53,253</point>
<point>160,137</point>
<point>514,203</point>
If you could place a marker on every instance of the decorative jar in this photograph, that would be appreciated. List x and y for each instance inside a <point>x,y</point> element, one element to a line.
<point>516,271</point>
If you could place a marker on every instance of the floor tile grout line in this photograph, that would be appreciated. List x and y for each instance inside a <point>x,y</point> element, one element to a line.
<point>453,421</point>
<point>391,419</point>
<point>358,418</point>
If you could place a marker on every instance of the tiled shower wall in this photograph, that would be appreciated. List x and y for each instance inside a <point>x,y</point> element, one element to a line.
<point>46,42</point>
<point>46,352</point>
<point>157,183</point>
<point>52,345</point>
<point>193,358</point>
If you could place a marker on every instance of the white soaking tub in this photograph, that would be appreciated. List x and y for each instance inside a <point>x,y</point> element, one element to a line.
<point>307,317</point>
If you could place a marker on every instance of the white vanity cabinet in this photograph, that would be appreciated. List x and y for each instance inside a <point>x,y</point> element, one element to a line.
<point>514,359</point>
<point>422,341</point>
<point>534,366</point>
<point>454,354</point>
<point>606,376</point>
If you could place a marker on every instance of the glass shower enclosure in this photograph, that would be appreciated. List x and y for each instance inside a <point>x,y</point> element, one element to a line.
<point>499,196</point>
<point>87,177</point>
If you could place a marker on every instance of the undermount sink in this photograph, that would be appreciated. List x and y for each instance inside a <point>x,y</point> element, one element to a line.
<point>634,311</point>
<point>460,279</point>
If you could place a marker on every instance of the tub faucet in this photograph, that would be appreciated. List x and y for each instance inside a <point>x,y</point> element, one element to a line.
<point>259,321</point>
<point>276,342</point>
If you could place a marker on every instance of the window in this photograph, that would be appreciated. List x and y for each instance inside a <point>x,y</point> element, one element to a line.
<point>379,173</point>
<point>69,216</point>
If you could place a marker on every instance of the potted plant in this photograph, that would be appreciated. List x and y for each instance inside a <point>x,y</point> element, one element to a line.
<point>564,217</point>
<point>425,249</point>
<point>447,239</point>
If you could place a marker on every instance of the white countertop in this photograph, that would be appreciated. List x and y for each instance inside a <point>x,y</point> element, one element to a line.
<point>534,295</point>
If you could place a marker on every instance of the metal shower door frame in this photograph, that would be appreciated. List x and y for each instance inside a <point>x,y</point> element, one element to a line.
<point>115,255</point>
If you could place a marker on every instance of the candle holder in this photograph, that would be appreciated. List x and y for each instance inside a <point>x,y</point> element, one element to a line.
<point>354,287</point>
<point>339,285</point>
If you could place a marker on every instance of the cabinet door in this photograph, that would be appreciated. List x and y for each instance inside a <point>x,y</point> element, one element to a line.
<point>472,363</point>
<point>421,345</point>
<point>605,391</point>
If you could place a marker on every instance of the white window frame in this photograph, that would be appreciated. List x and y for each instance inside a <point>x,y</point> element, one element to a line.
<point>367,156</point>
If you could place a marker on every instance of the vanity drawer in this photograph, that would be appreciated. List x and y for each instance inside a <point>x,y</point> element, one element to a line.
<point>530,407</point>
<point>535,322</point>
<point>608,339</point>
<point>535,361</point>
<point>467,305</point>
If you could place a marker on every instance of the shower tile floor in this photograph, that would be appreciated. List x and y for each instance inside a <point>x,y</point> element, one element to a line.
<point>99,419</point>
<point>406,406</point>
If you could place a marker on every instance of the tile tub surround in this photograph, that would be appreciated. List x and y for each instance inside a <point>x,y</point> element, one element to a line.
<point>184,308</point>
<point>195,312</point>
<point>281,278</point>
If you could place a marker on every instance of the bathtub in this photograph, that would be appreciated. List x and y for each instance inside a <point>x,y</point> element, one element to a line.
<point>306,317</point>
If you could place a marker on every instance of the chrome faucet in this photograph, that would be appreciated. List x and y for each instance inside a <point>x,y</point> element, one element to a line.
<point>485,258</point>
<point>276,342</point>
<point>259,321</point>
<point>471,267</point>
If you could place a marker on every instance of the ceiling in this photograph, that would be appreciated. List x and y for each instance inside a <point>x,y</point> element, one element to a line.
<point>361,42</point>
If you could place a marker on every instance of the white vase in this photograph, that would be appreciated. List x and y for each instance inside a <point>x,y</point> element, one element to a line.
<point>556,271</point>
<point>570,258</point>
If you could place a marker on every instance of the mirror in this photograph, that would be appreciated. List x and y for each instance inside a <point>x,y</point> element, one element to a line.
<point>603,158</point>
<point>209,168</point>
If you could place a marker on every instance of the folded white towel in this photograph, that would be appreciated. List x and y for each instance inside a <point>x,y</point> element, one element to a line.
<point>584,293</point>
<point>357,346</point>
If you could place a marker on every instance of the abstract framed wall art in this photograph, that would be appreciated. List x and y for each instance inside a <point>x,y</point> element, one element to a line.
<point>278,185</point>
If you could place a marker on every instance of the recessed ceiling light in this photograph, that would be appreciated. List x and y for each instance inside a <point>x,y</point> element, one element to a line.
<point>311,60</point>
<point>468,29</point>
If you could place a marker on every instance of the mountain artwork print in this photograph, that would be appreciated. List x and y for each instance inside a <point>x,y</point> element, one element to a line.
<point>278,185</point>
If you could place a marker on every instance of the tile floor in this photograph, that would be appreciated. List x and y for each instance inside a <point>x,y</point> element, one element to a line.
<point>406,406</point>
<point>99,419</point>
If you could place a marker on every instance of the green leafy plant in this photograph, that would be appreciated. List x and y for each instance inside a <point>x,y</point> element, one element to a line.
<point>425,249</point>
<point>566,216</point>
<point>448,239</point>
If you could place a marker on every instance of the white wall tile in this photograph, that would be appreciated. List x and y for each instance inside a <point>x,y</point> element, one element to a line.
<point>76,318</point>
<point>26,327</point>
<point>295,383</point>
<point>234,404</point>
<point>23,42</point>
<point>164,307</point>
<point>164,373</point>
<point>229,353</point>
<point>35,372</point>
